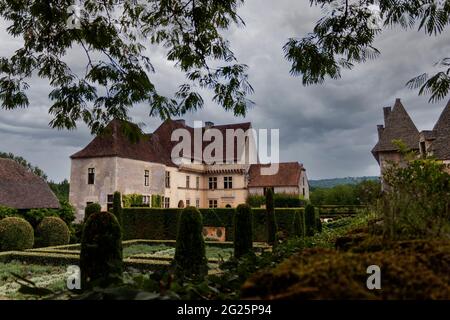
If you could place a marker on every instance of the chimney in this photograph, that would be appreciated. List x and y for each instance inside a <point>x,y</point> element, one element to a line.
<point>380,128</point>
<point>209,124</point>
<point>386,112</point>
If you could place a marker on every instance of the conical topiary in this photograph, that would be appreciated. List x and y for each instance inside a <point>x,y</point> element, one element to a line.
<point>310,220</point>
<point>190,257</point>
<point>243,230</point>
<point>101,251</point>
<point>298,224</point>
<point>271,221</point>
<point>117,207</point>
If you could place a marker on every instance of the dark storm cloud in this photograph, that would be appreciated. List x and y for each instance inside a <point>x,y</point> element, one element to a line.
<point>331,128</point>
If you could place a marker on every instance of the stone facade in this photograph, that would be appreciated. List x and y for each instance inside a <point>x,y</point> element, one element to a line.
<point>110,164</point>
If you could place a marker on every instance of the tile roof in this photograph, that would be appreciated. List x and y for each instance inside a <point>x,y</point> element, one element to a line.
<point>155,147</point>
<point>440,147</point>
<point>398,126</point>
<point>21,189</point>
<point>288,175</point>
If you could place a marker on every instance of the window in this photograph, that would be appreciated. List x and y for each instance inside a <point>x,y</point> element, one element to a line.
<point>166,203</point>
<point>109,202</point>
<point>197,203</point>
<point>304,192</point>
<point>188,202</point>
<point>146,200</point>
<point>213,203</point>
<point>146,178</point>
<point>188,178</point>
<point>167,179</point>
<point>212,183</point>
<point>91,176</point>
<point>228,182</point>
<point>197,183</point>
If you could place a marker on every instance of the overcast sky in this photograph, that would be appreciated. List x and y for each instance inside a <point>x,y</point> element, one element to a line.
<point>330,128</point>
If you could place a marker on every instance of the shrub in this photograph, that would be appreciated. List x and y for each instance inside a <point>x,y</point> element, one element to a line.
<point>91,209</point>
<point>271,222</point>
<point>416,202</point>
<point>52,231</point>
<point>15,234</point>
<point>7,212</point>
<point>190,257</point>
<point>286,200</point>
<point>117,207</point>
<point>66,212</point>
<point>318,224</point>
<point>310,220</point>
<point>255,201</point>
<point>35,216</point>
<point>243,230</point>
<point>101,251</point>
<point>156,201</point>
<point>298,224</point>
<point>132,200</point>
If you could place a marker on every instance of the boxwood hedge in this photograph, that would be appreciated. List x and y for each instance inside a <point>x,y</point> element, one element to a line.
<point>161,224</point>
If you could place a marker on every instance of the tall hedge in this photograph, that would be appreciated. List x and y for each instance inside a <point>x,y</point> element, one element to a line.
<point>271,222</point>
<point>117,207</point>
<point>310,220</point>
<point>101,251</point>
<point>190,256</point>
<point>91,209</point>
<point>243,230</point>
<point>298,224</point>
<point>15,234</point>
<point>161,224</point>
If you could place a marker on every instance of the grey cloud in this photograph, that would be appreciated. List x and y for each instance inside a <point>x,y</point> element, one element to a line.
<point>331,128</point>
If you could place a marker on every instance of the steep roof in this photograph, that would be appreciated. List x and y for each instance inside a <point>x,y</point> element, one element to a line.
<point>288,175</point>
<point>441,144</point>
<point>398,126</point>
<point>22,189</point>
<point>155,147</point>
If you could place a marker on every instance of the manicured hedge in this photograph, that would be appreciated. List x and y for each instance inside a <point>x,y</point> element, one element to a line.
<point>340,209</point>
<point>161,224</point>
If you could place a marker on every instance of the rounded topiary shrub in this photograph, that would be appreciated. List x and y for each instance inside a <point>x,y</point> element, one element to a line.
<point>243,230</point>
<point>101,251</point>
<point>52,231</point>
<point>90,209</point>
<point>190,257</point>
<point>15,234</point>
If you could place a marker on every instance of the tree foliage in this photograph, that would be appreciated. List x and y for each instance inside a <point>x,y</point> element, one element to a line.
<point>117,38</point>
<point>345,36</point>
<point>363,193</point>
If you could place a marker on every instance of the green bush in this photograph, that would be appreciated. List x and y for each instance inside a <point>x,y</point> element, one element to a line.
<point>15,234</point>
<point>117,207</point>
<point>35,216</point>
<point>271,222</point>
<point>310,220</point>
<point>132,200</point>
<point>243,230</point>
<point>91,209</point>
<point>7,212</point>
<point>101,251</point>
<point>66,212</point>
<point>256,201</point>
<point>298,224</point>
<point>52,231</point>
<point>156,201</point>
<point>190,257</point>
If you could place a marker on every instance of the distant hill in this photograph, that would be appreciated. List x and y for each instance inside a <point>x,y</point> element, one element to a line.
<point>330,183</point>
